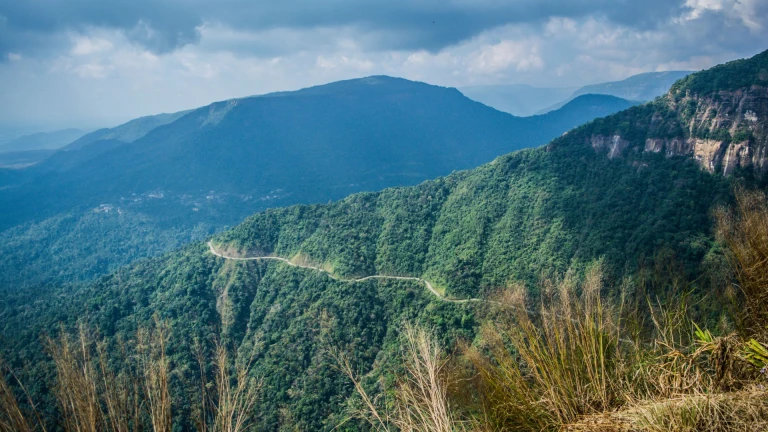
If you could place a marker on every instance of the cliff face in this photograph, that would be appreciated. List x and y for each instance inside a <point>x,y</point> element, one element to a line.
<point>717,117</point>
<point>727,130</point>
<point>721,132</point>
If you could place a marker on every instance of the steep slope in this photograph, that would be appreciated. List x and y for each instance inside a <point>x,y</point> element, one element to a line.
<point>717,118</point>
<point>517,99</point>
<point>595,192</point>
<point>642,88</point>
<point>531,212</point>
<point>215,165</point>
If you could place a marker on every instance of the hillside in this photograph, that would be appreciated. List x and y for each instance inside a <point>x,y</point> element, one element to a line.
<point>468,234</point>
<point>215,165</point>
<point>599,191</point>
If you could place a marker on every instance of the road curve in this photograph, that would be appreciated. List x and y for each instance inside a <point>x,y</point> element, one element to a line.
<point>408,278</point>
<point>332,276</point>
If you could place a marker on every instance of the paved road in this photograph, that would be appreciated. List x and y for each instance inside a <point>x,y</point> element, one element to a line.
<point>332,276</point>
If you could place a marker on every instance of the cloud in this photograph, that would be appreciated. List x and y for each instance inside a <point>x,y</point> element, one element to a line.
<point>522,55</point>
<point>388,24</point>
<point>95,64</point>
<point>84,45</point>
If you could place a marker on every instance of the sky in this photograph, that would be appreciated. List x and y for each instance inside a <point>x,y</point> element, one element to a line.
<point>96,63</point>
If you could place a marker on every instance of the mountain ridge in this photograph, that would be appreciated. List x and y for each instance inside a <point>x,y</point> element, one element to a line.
<point>215,165</point>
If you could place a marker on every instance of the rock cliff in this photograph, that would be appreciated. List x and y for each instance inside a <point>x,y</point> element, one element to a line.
<point>722,126</point>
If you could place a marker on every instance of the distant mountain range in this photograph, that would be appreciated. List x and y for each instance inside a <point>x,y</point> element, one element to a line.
<point>528,100</point>
<point>42,141</point>
<point>518,99</point>
<point>126,132</point>
<point>642,88</point>
<point>210,167</point>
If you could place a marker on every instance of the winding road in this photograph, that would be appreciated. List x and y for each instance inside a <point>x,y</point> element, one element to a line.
<point>332,276</point>
<point>408,278</point>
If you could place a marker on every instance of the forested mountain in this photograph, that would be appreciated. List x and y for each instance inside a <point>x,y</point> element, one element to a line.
<point>635,189</point>
<point>102,202</point>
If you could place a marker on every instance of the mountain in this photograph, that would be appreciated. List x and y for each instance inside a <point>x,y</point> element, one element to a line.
<point>642,88</point>
<point>32,149</point>
<point>126,132</point>
<point>215,165</point>
<point>42,141</point>
<point>635,189</point>
<point>517,99</point>
<point>23,159</point>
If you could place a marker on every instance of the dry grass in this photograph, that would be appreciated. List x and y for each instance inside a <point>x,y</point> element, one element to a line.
<point>127,387</point>
<point>576,359</point>
<point>420,398</point>
<point>537,375</point>
<point>229,405</point>
<point>745,410</point>
<point>12,417</point>
<point>77,382</point>
<point>155,370</point>
<point>737,411</point>
<point>744,230</point>
<point>93,397</point>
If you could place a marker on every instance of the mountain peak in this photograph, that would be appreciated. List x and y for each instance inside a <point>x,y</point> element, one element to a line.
<point>735,75</point>
<point>374,84</point>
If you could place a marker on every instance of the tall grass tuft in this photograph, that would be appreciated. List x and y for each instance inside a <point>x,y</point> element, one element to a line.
<point>155,370</point>
<point>77,381</point>
<point>420,398</point>
<point>580,356</point>
<point>12,416</point>
<point>228,405</point>
<point>744,230</point>
<point>93,396</point>
<point>536,375</point>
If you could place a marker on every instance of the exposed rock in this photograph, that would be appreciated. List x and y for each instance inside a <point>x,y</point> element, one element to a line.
<point>721,132</point>
<point>614,144</point>
<point>706,152</point>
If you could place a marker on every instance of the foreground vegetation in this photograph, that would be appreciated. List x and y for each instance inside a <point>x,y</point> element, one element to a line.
<point>580,355</point>
<point>585,362</point>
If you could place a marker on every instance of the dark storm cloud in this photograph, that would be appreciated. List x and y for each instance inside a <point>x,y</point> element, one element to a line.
<point>161,26</point>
